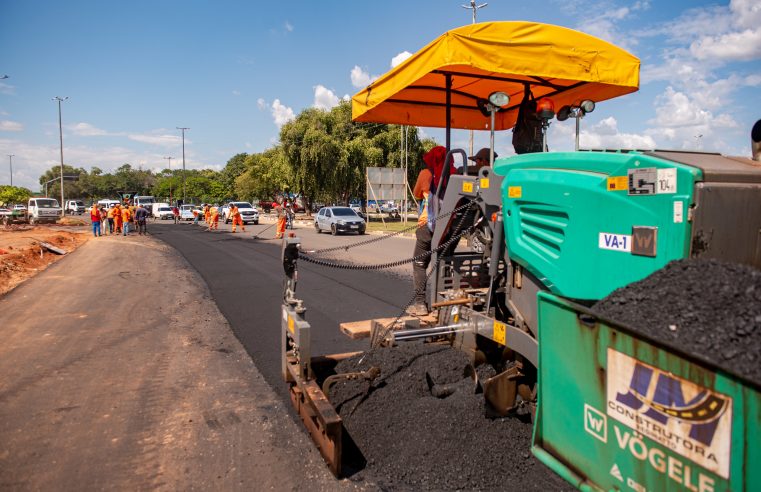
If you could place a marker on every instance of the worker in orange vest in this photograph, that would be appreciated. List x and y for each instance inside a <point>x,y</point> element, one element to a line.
<point>280,214</point>
<point>117,218</point>
<point>237,218</point>
<point>207,215</point>
<point>126,219</point>
<point>214,224</point>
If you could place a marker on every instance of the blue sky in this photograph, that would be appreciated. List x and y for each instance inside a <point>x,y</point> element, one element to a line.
<point>234,71</point>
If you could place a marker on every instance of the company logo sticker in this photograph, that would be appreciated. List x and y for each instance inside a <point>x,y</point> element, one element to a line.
<point>596,423</point>
<point>691,420</point>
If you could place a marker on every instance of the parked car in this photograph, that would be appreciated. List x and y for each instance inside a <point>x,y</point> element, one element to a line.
<point>248,212</point>
<point>75,207</point>
<point>164,213</point>
<point>155,207</point>
<point>339,219</point>
<point>19,206</point>
<point>186,212</point>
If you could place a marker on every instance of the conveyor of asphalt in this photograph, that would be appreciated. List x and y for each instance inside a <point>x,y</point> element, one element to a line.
<point>245,277</point>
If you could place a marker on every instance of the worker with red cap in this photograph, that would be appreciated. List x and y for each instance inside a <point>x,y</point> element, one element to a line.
<point>427,183</point>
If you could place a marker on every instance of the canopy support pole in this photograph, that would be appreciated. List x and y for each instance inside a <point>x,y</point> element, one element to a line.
<point>449,109</point>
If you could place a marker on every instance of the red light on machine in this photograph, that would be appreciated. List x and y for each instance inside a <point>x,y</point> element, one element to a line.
<point>545,108</point>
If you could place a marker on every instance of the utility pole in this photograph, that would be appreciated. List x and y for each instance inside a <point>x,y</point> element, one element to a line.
<point>60,134</point>
<point>10,163</point>
<point>183,160</point>
<point>475,8</point>
<point>170,178</point>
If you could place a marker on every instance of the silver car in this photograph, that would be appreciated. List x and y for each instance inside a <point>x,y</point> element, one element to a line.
<point>339,219</point>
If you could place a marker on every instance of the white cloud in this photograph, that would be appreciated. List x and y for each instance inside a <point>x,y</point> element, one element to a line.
<point>324,98</point>
<point>742,45</point>
<point>163,140</point>
<point>236,92</point>
<point>360,78</point>
<point>11,126</point>
<point>261,104</point>
<point>400,58</point>
<point>605,135</point>
<point>281,114</point>
<point>288,26</point>
<point>85,130</point>
<point>675,109</point>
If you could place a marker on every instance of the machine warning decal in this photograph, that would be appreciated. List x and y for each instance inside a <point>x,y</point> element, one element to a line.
<point>687,418</point>
<point>666,180</point>
<point>467,187</point>
<point>290,325</point>
<point>615,242</point>
<point>618,183</point>
<point>484,183</point>
<point>499,332</point>
<point>643,181</point>
<point>514,191</point>
<point>678,212</point>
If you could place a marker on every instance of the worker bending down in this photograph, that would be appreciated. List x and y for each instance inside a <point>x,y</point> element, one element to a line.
<point>237,219</point>
<point>214,224</point>
<point>207,215</point>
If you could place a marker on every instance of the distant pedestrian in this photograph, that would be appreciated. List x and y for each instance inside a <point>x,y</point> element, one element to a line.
<point>141,216</point>
<point>103,220</point>
<point>126,219</point>
<point>280,215</point>
<point>175,214</point>
<point>95,219</point>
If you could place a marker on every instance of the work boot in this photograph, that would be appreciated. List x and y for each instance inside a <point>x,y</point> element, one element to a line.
<point>418,309</point>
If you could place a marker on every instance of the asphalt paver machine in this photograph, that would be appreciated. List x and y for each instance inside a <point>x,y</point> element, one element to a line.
<point>552,233</point>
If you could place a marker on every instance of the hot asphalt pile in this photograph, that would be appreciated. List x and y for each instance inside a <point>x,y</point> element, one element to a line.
<point>703,306</point>
<point>415,441</point>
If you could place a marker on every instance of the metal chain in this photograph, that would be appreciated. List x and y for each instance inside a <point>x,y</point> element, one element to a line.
<point>387,236</point>
<point>374,343</point>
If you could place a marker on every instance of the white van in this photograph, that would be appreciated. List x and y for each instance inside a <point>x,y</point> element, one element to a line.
<point>155,208</point>
<point>108,203</point>
<point>40,210</point>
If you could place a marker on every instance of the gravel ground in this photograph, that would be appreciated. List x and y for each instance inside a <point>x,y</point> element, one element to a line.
<point>412,440</point>
<point>704,306</point>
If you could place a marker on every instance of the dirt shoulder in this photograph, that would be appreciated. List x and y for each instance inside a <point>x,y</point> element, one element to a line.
<point>117,370</point>
<point>22,256</point>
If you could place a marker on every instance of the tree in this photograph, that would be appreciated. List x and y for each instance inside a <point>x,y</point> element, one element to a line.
<point>235,166</point>
<point>266,175</point>
<point>13,194</point>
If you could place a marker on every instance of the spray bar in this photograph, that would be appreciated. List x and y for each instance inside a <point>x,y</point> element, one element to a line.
<point>429,332</point>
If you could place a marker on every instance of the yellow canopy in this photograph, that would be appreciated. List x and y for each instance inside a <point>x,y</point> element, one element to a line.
<point>565,65</point>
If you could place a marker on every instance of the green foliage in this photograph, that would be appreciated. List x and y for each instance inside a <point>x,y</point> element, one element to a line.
<point>13,194</point>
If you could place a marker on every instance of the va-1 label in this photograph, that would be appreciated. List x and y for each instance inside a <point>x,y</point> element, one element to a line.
<point>615,242</point>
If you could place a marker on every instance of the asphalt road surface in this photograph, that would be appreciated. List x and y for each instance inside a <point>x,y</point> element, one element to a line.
<point>117,371</point>
<point>245,277</point>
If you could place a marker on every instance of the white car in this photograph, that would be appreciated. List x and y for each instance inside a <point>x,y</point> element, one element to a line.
<point>164,213</point>
<point>186,212</point>
<point>248,212</point>
<point>19,206</point>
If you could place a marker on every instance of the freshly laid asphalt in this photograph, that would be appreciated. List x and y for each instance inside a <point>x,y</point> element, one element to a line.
<point>245,277</point>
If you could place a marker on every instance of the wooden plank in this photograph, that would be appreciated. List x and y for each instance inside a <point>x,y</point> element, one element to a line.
<point>361,329</point>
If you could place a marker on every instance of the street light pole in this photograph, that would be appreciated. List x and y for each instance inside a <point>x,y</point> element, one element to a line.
<point>10,163</point>
<point>170,178</point>
<point>60,134</point>
<point>183,160</point>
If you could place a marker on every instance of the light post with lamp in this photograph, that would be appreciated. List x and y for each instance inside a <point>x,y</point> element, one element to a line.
<point>169,158</point>
<point>10,163</point>
<point>60,134</point>
<point>183,160</point>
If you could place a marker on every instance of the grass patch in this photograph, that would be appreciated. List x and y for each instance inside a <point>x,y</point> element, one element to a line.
<point>377,225</point>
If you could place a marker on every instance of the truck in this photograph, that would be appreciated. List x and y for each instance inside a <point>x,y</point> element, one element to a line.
<point>75,207</point>
<point>558,232</point>
<point>42,210</point>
